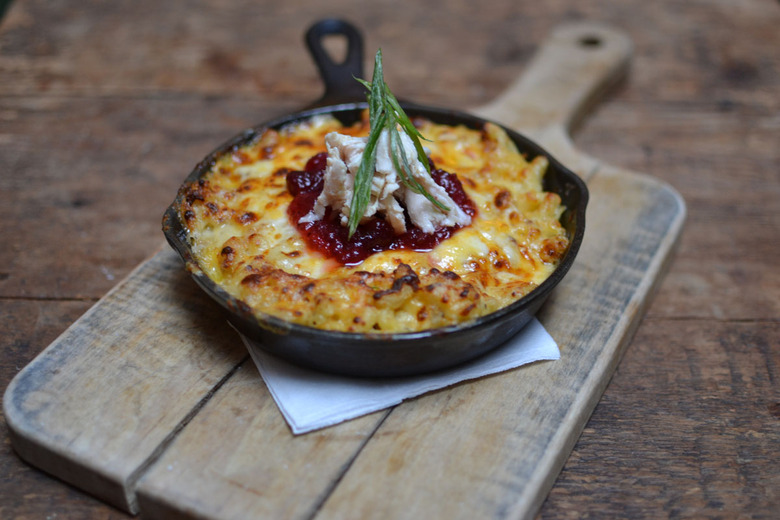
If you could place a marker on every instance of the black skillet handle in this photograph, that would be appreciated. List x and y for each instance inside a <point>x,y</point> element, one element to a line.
<point>339,78</point>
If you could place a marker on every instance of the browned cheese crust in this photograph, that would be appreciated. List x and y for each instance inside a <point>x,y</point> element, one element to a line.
<point>241,236</point>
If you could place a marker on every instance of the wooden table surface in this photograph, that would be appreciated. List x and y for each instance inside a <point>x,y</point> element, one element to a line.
<point>106,106</point>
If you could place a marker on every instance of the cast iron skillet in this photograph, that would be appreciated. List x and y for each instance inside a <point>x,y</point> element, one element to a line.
<point>368,354</point>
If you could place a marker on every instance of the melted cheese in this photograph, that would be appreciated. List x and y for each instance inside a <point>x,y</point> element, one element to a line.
<point>243,239</point>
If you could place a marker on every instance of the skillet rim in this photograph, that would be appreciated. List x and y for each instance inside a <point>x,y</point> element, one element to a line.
<point>247,320</point>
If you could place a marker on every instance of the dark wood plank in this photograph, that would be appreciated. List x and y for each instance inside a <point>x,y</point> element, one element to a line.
<point>92,178</point>
<point>691,429</point>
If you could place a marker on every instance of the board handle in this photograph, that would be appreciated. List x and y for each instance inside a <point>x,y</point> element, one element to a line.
<point>570,72</point>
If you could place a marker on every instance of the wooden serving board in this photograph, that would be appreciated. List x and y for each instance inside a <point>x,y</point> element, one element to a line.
<point>150,402</point>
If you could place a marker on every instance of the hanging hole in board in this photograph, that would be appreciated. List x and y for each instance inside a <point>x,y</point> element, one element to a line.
<point>336,47</point>
<point>590,41</point>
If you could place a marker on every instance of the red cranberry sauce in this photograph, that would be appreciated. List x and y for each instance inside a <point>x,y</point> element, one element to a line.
<point>329,237</point>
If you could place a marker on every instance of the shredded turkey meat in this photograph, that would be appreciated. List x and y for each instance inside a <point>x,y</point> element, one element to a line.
<point>387,191</point>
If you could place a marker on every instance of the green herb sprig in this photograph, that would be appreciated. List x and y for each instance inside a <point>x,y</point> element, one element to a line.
<point>385,113</point>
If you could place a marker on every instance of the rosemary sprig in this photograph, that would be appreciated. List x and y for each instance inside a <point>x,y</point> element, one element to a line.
<point>385,113</point>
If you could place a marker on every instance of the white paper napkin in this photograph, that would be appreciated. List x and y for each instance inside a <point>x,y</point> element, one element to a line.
<point>311,400</point>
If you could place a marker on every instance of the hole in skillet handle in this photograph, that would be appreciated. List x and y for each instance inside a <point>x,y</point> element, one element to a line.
<point>339,78</point>
<point>590,41</point>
